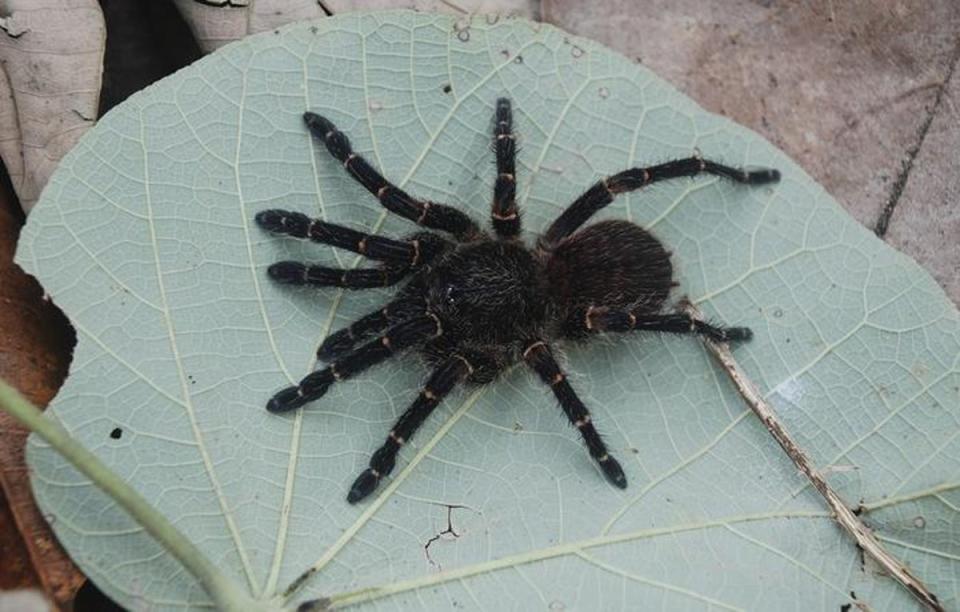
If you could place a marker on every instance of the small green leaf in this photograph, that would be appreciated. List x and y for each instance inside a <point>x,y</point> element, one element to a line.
<point>145,238</point>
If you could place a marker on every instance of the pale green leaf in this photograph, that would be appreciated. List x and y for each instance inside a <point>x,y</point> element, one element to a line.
<point>145,238</point>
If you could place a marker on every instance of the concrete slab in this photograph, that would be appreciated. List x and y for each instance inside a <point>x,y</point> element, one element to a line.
<point>846,88</point>
<point>925,222</point>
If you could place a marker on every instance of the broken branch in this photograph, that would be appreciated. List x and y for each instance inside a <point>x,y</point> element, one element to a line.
<point>845,517</point>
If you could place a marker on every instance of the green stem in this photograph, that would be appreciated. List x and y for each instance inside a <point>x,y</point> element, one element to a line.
<point>224,591</point>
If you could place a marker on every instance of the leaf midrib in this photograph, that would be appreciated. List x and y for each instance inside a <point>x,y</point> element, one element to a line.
<point>184,387</point>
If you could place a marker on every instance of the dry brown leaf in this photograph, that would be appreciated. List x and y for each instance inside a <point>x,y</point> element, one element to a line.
<point>51,53</point>
<point>521,8</point>
<point>218,22</point>
<point>35,346</point>
<point>16,571</point>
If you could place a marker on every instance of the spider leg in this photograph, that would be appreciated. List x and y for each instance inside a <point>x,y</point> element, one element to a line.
<point>539,357</point>
<point>394,252</point>
<point>344,339</point>
<point>394,199</point>
<point>598,319</point>
<point>443,379</point>
<point>504,214</point>
<point>397,338</point>
<point>296,273</point>
<point>604,190</point>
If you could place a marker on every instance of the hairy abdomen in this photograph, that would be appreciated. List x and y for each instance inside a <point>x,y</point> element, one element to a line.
<point>614,263</point>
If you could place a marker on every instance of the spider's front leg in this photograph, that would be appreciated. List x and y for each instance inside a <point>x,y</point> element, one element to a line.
<point>296,273</point>
<point>398,253</point>
<point>396,339</point>
<point>440,383</point>
<point>343,340</point>
<point>394,199</point>
<point>399,257</point>
<point>597,319</point>
<point>540,358</point>
<point>503,213</point>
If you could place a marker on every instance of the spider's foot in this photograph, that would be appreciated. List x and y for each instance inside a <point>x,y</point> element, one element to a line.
<point>290,398</point>
<point>335,345</point>
<point>288,272</point>
<point>284,222</point>
<point>735,334</point>
<point>363,485</point>
<point>320,126</point>
<point>311,388</point>
<point>760,176</point>
<point>612,470</point>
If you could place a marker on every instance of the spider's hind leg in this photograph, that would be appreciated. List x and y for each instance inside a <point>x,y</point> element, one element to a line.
<point>603,191</point>
<point>597,319</point>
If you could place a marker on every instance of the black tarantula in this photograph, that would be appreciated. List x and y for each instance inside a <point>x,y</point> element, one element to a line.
<point>474,303</point>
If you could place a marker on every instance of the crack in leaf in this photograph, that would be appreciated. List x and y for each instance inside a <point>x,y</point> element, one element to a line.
<point>366,594</point>
<point>449,530</point>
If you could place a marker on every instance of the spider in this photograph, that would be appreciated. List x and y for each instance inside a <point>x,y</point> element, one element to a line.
<point>475,303</point>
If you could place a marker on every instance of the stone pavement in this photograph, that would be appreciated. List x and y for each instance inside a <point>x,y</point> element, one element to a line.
<point>863,94</point>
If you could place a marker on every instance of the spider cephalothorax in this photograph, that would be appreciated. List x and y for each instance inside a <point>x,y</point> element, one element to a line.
<point>474,304</point>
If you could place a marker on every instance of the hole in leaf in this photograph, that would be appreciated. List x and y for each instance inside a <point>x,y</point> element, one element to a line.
<point>90,598</point>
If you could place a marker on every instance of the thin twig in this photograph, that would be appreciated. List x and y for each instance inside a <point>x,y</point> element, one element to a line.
<point>848,521</point>
<point>223,590</point>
